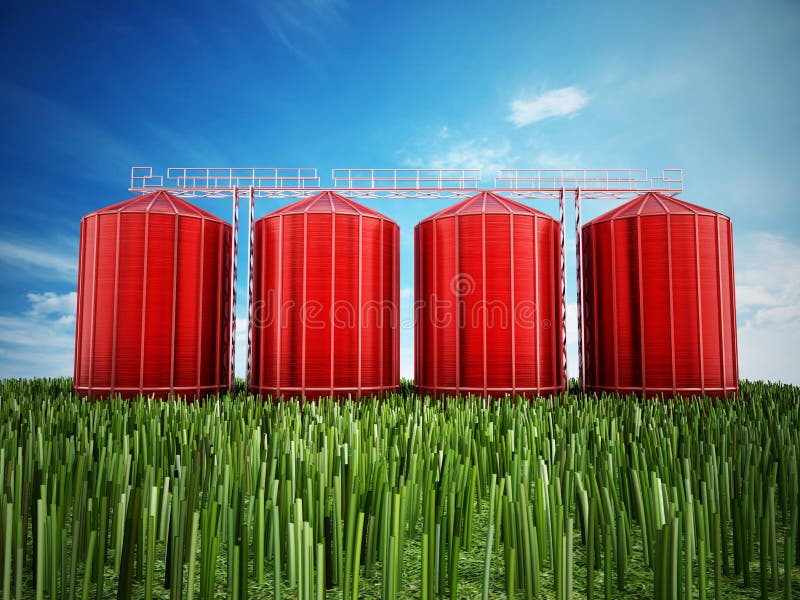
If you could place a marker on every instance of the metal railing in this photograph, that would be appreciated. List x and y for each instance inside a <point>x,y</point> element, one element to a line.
<point>590,181</point>
<point>211,180</point>
<point>406,179</point>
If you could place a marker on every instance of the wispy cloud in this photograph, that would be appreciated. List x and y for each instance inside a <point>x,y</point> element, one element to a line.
<point>39,341</point>
<point>42,262</point>
<point>71,139</point>
<point>51,303</point>
<point>558,160</point>
<point>450,149</point>
<point>298,24</point>
<point>562,102</point>
<point>476,154</point>
<point>767,273</point>
<point>768,306</point>
<point>443,146</point>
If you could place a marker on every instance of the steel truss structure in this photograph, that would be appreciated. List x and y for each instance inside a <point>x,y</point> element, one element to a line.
<point>435,184</point>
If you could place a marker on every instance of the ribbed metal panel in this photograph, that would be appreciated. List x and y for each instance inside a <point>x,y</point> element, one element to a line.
<point>658,300</point>
<point>153,300</point>
<point>326,300</point>
<point>488,307</point>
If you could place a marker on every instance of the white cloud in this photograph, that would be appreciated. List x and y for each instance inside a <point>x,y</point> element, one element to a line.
<point>768,306</point>
<point>39,342</point>
<point>555,160</point>
<point>449,149</point>
<point>38,261</point>
<point>66,320</point>
<point>753,295</point>
<point>778,315</point>
<point>445,147</point>
<point>562,102</point>
<point>767,271</point>
<point>477,154</point>
<point>49,303</point>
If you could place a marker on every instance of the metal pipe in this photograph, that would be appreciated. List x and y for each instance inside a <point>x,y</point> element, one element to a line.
<point>563,222</point>
<point>234,262</point>
<point>250,225</point>
<point>578,264</point>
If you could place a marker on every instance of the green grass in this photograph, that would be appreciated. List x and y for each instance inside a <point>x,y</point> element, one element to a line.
<point>568,497</point>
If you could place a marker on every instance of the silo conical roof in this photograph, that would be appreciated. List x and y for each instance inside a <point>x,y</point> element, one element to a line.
<point>328,202</point>
<point>652,204</point>
<point>486,202</point>
<point>158,202</point>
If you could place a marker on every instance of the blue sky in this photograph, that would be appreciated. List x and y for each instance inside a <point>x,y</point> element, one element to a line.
<point>88,90</point>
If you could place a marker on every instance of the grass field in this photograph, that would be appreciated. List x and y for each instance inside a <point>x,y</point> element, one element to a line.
<point>570,497</point>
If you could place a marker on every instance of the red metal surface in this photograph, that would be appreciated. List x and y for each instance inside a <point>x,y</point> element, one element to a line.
<point>658,300</point>
<point>326,300</point>
<point>153,301</point>
<point>488,300</point>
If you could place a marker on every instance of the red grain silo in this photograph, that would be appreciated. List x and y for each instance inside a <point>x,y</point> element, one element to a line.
<point>153,300</point>
<point>659,314</point>
<point>325,300</point>
<point>488,300</point>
